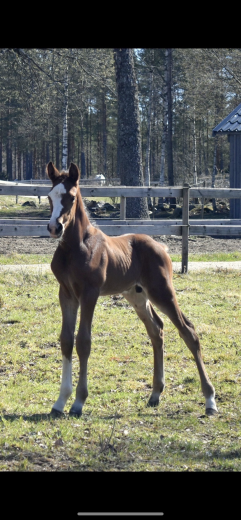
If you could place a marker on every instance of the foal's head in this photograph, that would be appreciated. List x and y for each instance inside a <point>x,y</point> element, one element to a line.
<point>62,198</point>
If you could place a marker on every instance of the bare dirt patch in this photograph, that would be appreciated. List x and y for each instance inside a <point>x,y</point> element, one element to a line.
<point>198,245</point>
<point>38,245</point>
<point>25,245</point>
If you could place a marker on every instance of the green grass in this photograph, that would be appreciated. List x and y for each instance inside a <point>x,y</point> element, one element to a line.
<point>26,259</point>
<point>231,256</point>
<point>117,432</point>
<point>10,209</point>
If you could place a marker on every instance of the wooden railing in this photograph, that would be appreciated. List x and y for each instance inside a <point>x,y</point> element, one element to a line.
<point>183,227</point>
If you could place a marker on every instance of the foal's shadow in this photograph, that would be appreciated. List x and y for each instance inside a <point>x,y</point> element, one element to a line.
<point>35,417</point>
<point>39,417</point>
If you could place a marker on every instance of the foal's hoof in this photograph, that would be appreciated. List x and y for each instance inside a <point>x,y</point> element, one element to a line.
<point>153,401</point>
<point>74,412</point>
<point>56,413</point>
<point>211,411</point>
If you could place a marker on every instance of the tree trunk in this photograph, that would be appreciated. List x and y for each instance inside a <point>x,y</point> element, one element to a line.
<point>19,160</point>
<point>104,135</point>
<point>43,161</point>
<point>90,147</point>
<point>9,158</point>
<point>163,146</point>
<point>194,149</point>
<point>1,148</point>
<point>99,148</point>
<point>57,146</point>
<point>35,174</point>
<point>87,144</point>
<point>147,179</point>
<point>65,125</point>
<point>82,153</point>
<point>203,149</point>
<point>164,130</point>
<point>148,140</point>
<point>71,147</point>
<point>214,170</point>
<point>169,128</point>
<point>129,138</point>
<point>29,167</point>
<point>9,148</point>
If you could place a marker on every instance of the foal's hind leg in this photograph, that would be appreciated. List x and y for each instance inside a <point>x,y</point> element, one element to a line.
<point>154,326</point>
<point>69,307</point>
<point>165,300</point>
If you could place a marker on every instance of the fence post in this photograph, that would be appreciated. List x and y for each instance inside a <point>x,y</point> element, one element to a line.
<point>203,200</point>
<point>122,208</point>
<point>185,227</point>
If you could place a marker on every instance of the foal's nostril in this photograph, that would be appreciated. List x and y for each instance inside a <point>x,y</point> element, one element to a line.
<point>55,230</point>
<point>59,228</point>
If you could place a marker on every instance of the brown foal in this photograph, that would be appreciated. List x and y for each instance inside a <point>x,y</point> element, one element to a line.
<point>88,264</point>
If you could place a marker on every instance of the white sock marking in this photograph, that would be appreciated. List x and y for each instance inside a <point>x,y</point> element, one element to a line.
<point>210,403</point>
<point>66,385</point>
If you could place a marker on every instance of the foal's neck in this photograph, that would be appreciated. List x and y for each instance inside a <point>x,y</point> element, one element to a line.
<point>80,212</point>
<point>76,229</point>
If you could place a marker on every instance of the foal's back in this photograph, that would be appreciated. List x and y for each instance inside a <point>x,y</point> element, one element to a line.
<point>126,260</point>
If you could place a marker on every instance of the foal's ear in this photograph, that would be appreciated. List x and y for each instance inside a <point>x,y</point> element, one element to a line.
<point>74,173</point>
<point>52,172</point>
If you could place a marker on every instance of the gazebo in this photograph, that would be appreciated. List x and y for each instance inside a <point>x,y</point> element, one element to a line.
<point>231,126</point>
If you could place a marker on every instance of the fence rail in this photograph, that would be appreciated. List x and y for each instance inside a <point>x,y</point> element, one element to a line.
<point>183,227</point>
<point>13,188</point>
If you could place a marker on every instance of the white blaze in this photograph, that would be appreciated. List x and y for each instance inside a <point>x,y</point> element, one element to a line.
<point>56,195</point>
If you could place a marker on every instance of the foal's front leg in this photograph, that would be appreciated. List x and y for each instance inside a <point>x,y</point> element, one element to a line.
<point>83,344</point>
<point>69,307</point>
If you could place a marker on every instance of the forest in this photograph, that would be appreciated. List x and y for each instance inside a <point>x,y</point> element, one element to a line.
<point>61,104</point>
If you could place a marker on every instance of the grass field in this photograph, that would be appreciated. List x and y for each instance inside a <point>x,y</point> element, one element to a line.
<point>27,259</point>
<point>9,208</point>
<point>117,432</point>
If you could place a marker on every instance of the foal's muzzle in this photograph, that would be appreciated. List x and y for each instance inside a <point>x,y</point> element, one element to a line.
<point>55,231</point>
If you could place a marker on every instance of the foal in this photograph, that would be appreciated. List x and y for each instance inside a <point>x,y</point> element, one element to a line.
<point>88,264</point>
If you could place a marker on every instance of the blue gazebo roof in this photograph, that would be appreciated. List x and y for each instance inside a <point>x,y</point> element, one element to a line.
<point>231,123</point>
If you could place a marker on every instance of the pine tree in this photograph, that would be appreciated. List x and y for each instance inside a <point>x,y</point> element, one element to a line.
<point>129,138</point>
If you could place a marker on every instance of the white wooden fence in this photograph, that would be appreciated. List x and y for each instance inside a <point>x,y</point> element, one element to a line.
<point>182,227</point>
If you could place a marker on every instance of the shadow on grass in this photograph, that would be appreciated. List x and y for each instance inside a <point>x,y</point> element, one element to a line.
<point>220,455</point>
<point>38,417</point>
